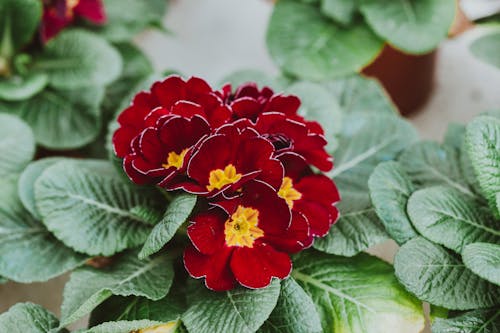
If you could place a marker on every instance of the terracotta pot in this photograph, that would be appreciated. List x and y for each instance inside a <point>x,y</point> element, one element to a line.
<point>409,79</point>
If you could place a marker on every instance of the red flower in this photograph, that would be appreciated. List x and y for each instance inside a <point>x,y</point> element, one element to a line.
<point>172,96</point>
<point>313,195</point>
<point>288,135</point>
<point>160,153</point>
<point>245,240</point>
<point>58,14</point>
<point>228,159</point>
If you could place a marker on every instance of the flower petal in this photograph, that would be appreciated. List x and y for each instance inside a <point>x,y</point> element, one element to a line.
<point>255,267</point>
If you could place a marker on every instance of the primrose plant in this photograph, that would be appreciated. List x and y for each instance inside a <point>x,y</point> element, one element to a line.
<point>218,212</point>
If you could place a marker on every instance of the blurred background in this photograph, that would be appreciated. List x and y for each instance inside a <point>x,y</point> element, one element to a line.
<point>213,38</point>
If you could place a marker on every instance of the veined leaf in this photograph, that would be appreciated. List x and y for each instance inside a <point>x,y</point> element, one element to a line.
<point>176,214</point>
<point>146,326</point>
<point>78,58</point>
<point>486,48</point>
<point>29,252</point>
<point>484,260</point>
<point>358,94</point>
<point>412,26</point>
<point>316,51</point>
<point>94,201</point>
<point>451,218</point>
<point>136,66</point>
<point>19,20</point>
<point>366,140</point>
<point>295,312</point>
<point>29,317</point>
<point>390,189</point>
<point>477,321</point>
<point>342,11</point>
<point>17,145</point>
<point>429,164</point>
<point>357,294</point>
<point>18,88</point>
<point>122,25</point>
<point>483,142</point>
<point>436,276</point>
<point>62,119</point>
<point>89,287</point>
<point>27,180</point>
<point>239,310</point>
<point>169,308</point>
<point>355,231</point>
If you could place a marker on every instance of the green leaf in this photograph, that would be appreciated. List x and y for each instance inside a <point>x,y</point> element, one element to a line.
<point>450,218</point>
<point>3,280</point>
<point>89,287</point>
<point>122,25</point>
<point>305,43</point>
<point>62,119</point>
<point>134,326</point>
<point>19,20</point>
<point>390,188</point>
<point>18,88</point>
<point>26,183</point>
<point>429,164</point>
<point>169,308</point>
<point>29,317</point>
<point>484,260</point>
<point>17,145</point>
<point>356,231</point>
<point>239,310</point>
<point>240,77</point>
<point>486,48</point>
<point>412,26</point>
<point>357,294</point>
<point>320,105</point>
<point>29,252</point>
<point>477,321</point>
<point>77,59</point>
<point>295,312</point>
<point>436,276</point>
<point>176,214</point>
<point>483,143</point>
<point>367,140</point>
<point>101,219</point>
<point>136,66</point>
<point>454,136</point>
<point>341,11</point>
<point>358,94</point>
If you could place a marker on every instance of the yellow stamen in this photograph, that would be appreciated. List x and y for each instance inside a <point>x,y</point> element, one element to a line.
<point>164,328</point>
<point>70,6</point>
<point>220,178</point>
<point>175,160</point>
<point>241,229</point>
<point>288,193</point>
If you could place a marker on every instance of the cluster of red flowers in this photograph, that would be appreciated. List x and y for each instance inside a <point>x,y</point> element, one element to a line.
<point>58,14</point>
<point>249,154</point>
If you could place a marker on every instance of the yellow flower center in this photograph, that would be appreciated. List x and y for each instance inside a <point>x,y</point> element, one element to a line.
<point>220,178</point>
<point>241,229</point>
<point>288,193</point>
<point>175,160</point>
<point>164,328</point>
<point>70,6</point>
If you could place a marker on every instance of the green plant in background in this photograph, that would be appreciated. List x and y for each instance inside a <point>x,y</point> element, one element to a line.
<point>66,88</point>
<point>323,39</point>
<point>440,203</point>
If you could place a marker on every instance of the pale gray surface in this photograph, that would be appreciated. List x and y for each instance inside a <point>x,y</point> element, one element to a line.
<point>212,38</point>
